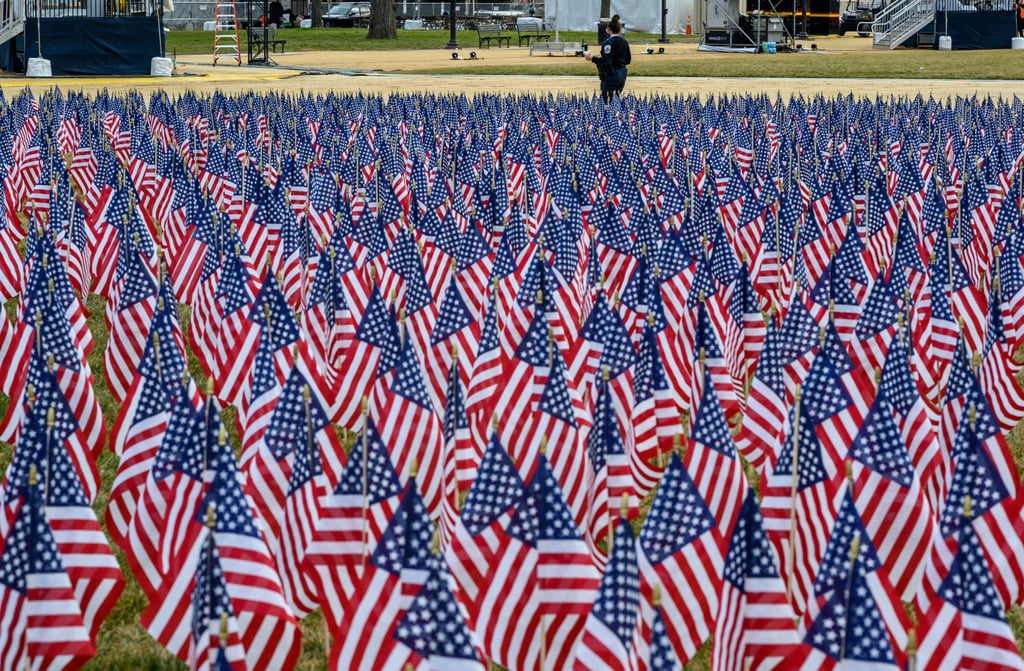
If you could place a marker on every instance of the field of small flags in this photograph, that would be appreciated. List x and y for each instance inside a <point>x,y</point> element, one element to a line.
<point>527,381</point>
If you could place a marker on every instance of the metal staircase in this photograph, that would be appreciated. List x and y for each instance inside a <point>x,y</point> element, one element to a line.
<point>900,20</point>
<point>12,20</point>
<point>225,37</point>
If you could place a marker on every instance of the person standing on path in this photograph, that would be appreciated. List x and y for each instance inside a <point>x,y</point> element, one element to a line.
<point>611,63</point>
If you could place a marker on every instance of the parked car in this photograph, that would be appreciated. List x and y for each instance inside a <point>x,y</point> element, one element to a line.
<point>347,15</point>
<point>859,14</point>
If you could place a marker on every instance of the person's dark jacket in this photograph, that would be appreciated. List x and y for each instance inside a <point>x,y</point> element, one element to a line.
<point>614,58</point>
<point>275,13</point>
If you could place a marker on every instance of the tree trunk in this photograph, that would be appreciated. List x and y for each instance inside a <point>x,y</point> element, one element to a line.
<point>316,13</point>
<point>606,9</point>
<point>382,20</point>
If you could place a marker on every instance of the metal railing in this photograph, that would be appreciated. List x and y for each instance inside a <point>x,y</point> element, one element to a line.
<point>61,9</point>
<point>901,19</point>
<point>12,19</point>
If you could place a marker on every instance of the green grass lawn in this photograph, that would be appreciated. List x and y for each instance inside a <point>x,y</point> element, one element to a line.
<point>354,39</point>
<point>124,646</point>
<point>997,64</point>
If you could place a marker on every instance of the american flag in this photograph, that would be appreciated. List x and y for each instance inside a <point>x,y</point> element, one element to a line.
<point>434,627</point>
<point>486,560</point>
<point>979,471</point>
<point>855,615</point>
<point>537,403</point>
<point>236,336</point>
<point>41,380</point>
<point>352,520</point>
<point>655,414</point>
<point>142,421</point>
<point>328,323</point>
<point>395,573</point>
<point>610,478</point>
<point>663,657</point>
<point>459,458</point>
<point>169,497</point>
<point>876,327</point>
<point>410,426</point>
<point>609,635</point>
<point>712,459</point>
<point>298,461</point>
<point>94,572</point>
<point>890,499</point>
<point>914,418</point>
<point>798,526</point>
<point>998,370</point>
<point>374,352</point>
<point>215,640</point>
<point>686,560</point>
<point>43,623</point>
<point>225,519</point>
<point>755,627</point>
<point>566,579</point>
<point>965,625</point>
<point>765,404</point>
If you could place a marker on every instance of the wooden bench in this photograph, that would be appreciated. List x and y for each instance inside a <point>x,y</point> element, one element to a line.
<point>256,37</point>
<point>530,31</point>
<point>491,31</point>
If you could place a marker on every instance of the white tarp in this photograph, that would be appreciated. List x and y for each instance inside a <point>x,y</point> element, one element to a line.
<point>639,16</point>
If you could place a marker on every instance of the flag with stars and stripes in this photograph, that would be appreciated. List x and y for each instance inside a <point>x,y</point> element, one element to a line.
<point>85,551</point>
<point>965,626</point>
<point>855,616</point>
<point>298,461</point>
<point>224,518</point>
<point>890,499</point>
<point>434,627</point>
<point>755,627</point>
<point>609,635</point>
<point>352,520</point>
<point>566,579</point>
<point>158,529</point>
<point>142,421</point>
<point>681,549</point>
<point>487,557</point>
<point>43,622</point>
<point>395,573</point>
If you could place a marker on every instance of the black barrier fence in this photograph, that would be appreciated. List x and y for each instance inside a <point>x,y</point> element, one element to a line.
<point>114,45</point>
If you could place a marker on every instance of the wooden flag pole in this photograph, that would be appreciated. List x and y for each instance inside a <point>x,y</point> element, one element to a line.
<point>366,447</point>
<point>791,558</point>
<point>912,649</point>
<point>854,553</point>
<point>306,397</point>
<point>211,522</point>
<point>156,347</point>
<point>50,421</point>
<point>206,424</point>
<point>455,439</point>
<point>543,620</point>
<point>33,480</point>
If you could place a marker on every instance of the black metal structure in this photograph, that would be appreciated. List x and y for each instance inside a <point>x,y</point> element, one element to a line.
<point>257,33</point>
<point>452,42</point>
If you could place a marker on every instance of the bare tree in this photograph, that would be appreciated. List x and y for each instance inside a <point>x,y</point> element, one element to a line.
<point>316,10</point>
<point>606,9</point>
<point>382,20</point>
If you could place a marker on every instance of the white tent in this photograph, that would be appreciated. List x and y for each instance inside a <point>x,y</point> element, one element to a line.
<point>639,15</point>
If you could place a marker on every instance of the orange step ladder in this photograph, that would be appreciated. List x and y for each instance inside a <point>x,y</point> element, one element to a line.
<point>225,36</point>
